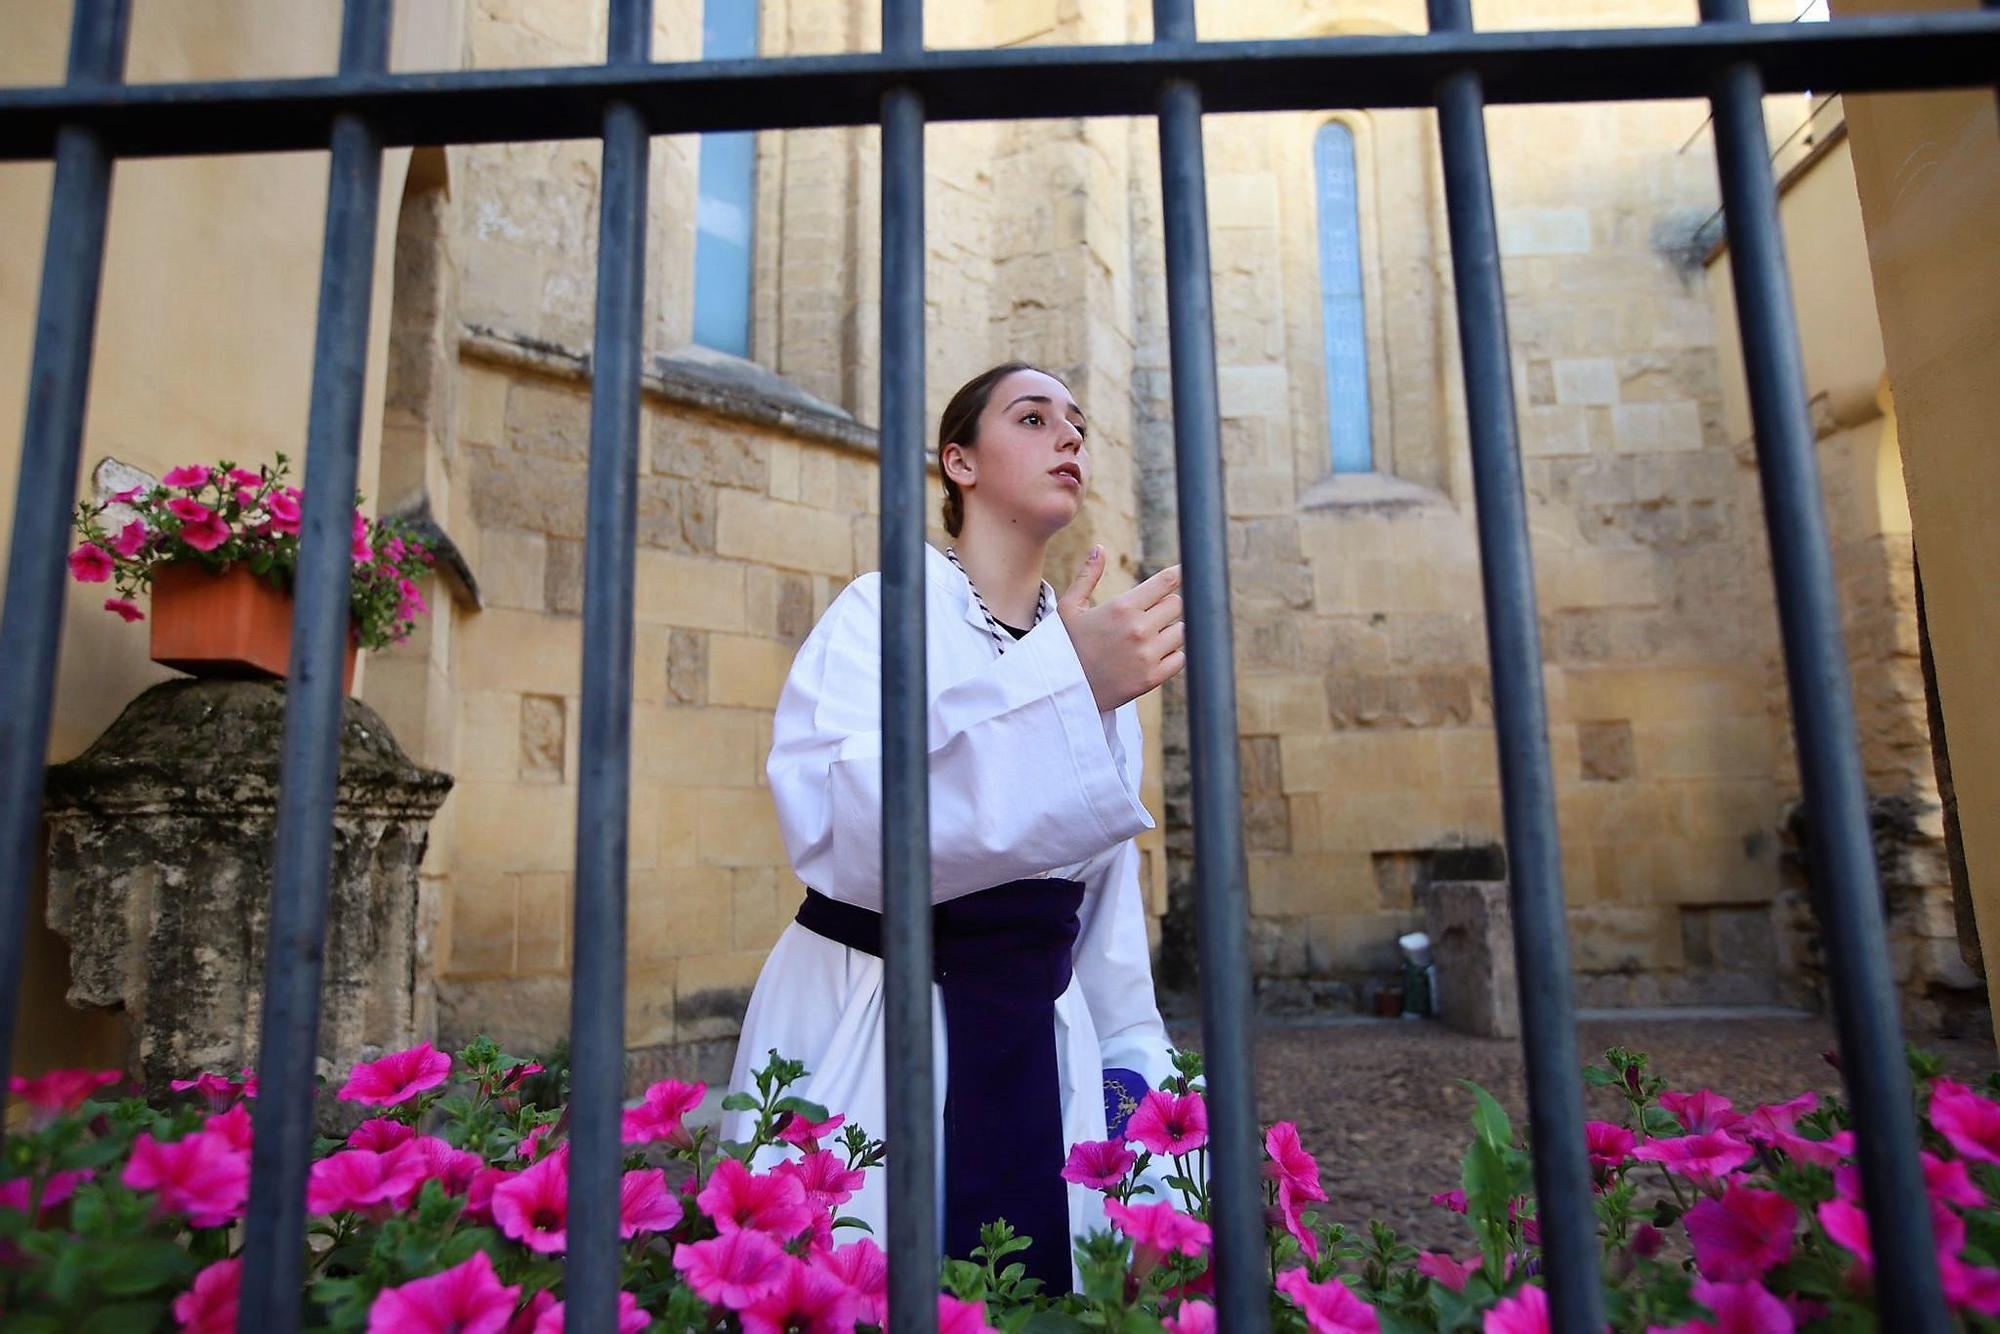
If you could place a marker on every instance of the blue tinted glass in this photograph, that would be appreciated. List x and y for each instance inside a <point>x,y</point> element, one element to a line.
<point>724,197</point>
<point>1340,300</point>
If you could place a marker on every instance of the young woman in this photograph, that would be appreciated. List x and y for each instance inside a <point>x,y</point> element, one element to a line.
<point>1044,1017</point>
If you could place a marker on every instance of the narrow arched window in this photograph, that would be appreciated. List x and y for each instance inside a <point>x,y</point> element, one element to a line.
<point>1346,328</point>
<point>724,204</point>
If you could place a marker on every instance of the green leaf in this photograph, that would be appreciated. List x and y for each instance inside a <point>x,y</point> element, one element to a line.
<point>124,1318</point>
<point>800,1107</point>
<point>1597,1077</point>
<point>1660,1124</point>
<point>1489,1118</point>
<point>845,1221</point>
<point>142,1265</point>
<point>741,1102</point>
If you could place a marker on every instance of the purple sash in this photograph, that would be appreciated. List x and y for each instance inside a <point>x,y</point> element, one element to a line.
<point>1002,958</point>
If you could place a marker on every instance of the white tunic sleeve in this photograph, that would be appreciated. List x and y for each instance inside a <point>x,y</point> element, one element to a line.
<point>1112,959</point>
<point>1025,774</point>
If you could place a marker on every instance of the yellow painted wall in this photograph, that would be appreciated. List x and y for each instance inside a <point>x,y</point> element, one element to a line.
<point>205,323</point>
<point>1928,169</point>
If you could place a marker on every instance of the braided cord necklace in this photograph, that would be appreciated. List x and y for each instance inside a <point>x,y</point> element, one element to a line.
<point>1001,639</point>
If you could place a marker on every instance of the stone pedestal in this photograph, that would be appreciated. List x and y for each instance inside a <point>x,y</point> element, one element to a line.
<point>159,874</point>
<point>1472,942</point>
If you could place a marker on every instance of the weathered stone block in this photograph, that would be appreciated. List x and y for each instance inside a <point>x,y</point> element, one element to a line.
<point>1605,751</point>
<point>1471,928</point>
<point>160,851</point>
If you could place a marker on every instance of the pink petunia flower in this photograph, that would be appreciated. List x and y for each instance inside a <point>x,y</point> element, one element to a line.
<point>188,477</point>
<point>530,1146</point>
<point>131,539</point>
<point>1098,1163</point>
<point>206,534</point>
<point>1738,1308</point>
<point>410,604</point>
<point>199,1176</point>
<point>58,1188</point>
<point>1330,1307</point>
<point>126,609</point>
<point>735,1199</point>
<point>59,1091</point>
<point>1291,1215</point>
<point>90,564</point>
<point>957,1317</point>
<point>1950,1180</point>
<point>1845,1222</point>
<point>632,1319</point>
<point>449,1167</point>
<point>1609,1145</point>
<point>1157,1230</point>
<point>1192,1318</point>
<point>397,1077</point>
<point>1453,1200</point>
<point>1701,1112</point>
<point>209,1307</point>
<point>532,1206</point>
<point>645,1204</point>
<point>863,1267</point>
<point>1704,1157</point>
<point>380,1134</point>
<point>361,1180</point>
<point>128,496</point>
<point>1168,1123</point>
<point>231,1127</point>
<point>804,1300</point>
<point>1969,1122</point>
<point>479,1194</point>
<point>1742,1235</point>
<point>466,1299</point>
<point>659,1115</point>
<point>1290,1163</point>
<point>807,1134</point>
<point>244,477</point>
<point>189,511</point>
<point>362,551</point>
<point>828,1182</point>
<point>1526,1312</point>
<point>218,1091</point>
<point>284,511</point>
<point>733,1270</point>
<point>1442,1269</point>
<point>1970,1287</point>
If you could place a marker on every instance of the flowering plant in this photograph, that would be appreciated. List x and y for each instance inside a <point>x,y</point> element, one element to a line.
<point>446,1209</point>
<point>222,516</point>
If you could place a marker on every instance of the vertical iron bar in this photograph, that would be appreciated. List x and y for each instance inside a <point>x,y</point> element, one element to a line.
<point>302,863</point>
<point>1847,892</point>
<point>1228,1039</point>
<point>597,981</point>
<point>51,450</point>
<point>1514,648</point>
<point>906,842</point>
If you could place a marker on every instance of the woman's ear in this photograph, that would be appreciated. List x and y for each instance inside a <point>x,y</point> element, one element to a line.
<point>956,461</point>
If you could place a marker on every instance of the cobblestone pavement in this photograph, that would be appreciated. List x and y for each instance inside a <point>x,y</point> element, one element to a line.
<point>1379,1101</point>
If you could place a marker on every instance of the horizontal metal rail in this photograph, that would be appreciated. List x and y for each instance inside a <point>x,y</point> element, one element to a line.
<point>806,92</point>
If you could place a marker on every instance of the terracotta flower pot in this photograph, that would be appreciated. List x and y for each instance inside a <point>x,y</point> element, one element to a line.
<point>228,624</point>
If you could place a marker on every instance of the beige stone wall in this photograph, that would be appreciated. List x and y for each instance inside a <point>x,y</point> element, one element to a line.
<point>1364,704</point>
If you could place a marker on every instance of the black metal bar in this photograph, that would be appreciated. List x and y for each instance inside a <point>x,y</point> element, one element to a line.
<point>1242,1281</point>
<point>51,450</point>
<point>597,979</point>
<point>1520,715</point>
<point>802,92</point>
<point>1847,891</point>
<point>309,775</point>
<point>906,840</point>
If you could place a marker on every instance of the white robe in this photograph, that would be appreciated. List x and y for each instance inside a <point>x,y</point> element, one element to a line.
<point>1027,779</point>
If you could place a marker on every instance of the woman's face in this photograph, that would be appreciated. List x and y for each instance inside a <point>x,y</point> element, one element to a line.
<point>1031,465</point>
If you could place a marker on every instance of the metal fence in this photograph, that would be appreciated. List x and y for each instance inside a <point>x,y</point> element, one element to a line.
<point>85,125</point>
